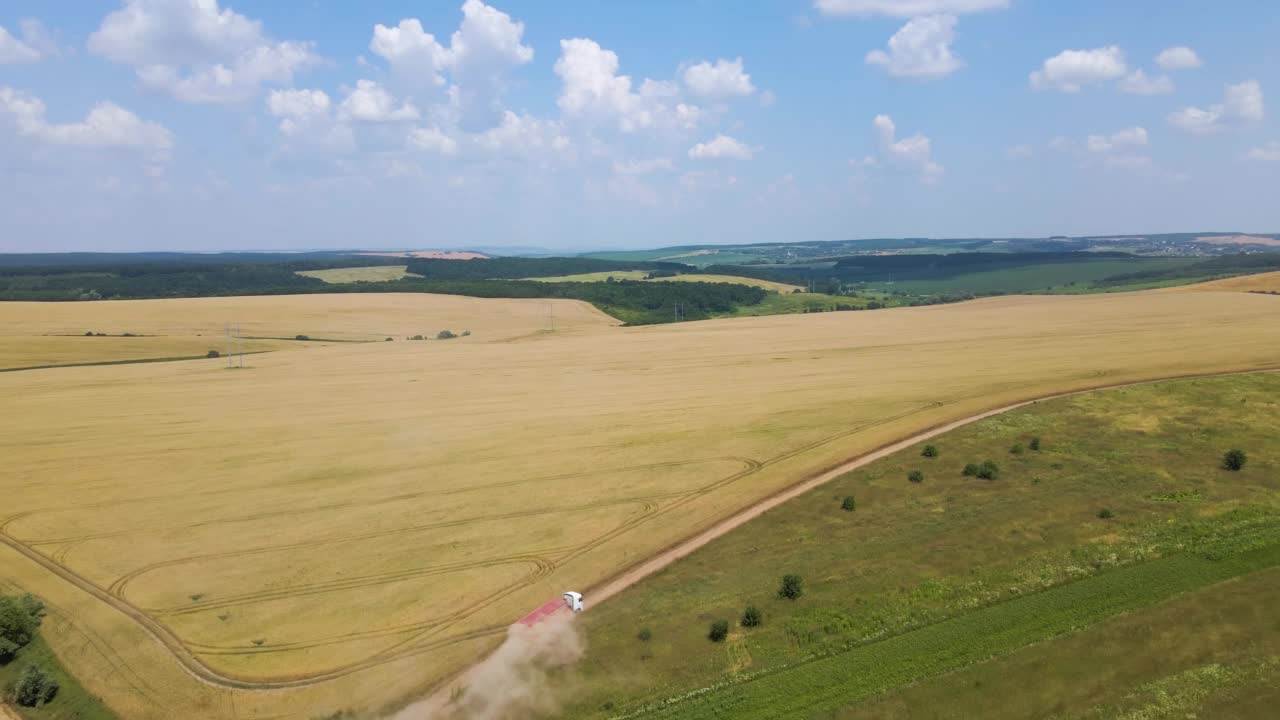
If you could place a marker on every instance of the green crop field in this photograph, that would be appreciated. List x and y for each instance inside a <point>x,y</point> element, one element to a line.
<point>1061,276</point>
<point>929,578</point>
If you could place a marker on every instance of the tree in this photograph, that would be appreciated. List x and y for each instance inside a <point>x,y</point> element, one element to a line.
<point>301,337</point>
<point>792,587</point>
<point>751,617</point>
<point>915,476</point>
<point>445,335</point>
<point>213,354</point>
<point>19,619</point>
<point>988,470</point>
<point>719,631</point>
<point>1234,460</point>
<point>930,451</point>
<point>35,687</point>
<point>645,635</point>
<point>1034,444</point>
<point>848,504</point>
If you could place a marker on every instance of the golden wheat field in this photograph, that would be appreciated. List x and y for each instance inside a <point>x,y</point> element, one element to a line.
<point>1261,282</point>
<point>345,525</point>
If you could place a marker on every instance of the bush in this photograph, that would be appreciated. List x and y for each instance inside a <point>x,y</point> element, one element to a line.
<point>19,618</point>
<point>645,635</point>
<point>1234,460</point>
<point>930,451</point>
<point>466,333</point>
<point>1034,444</point>
<point>719,631</point>
<point>89,334</point>
<point>417,337</point>
<point>792,587</point>
<point>988,470</point>
<point>35,687</point>
<point>213,354</point>
<point>848,504</point>
<point>1106,514</point>
<point>301,337</point>
<point>970,470</point>
<point>389,340</point>
<point>915,476</point>
<point>1016,449</point>
<point>445,335</point>
<point>751,617</point>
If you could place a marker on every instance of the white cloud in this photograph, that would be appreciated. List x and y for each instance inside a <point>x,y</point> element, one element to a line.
<point>1018,152</point>
<point>696,181</point>
<point>921,48</point>
<point>724,79</point>
<point>1267,152</point>
<point>196,51</point>
<point>522,135</point>
<point>642,167</point>
<point>907,8</point>
<point>33,45</point>
<point>106,125</point>
<point>410,50</point>
<point>720,147</point>
<point>1120,141</point>
<point>592,87</point>
<point>1241,106</point>
<point>297,103</point>
<point>432,140</point>
<point>1178,58</point>
<point>1070,70</point>
<point>915,152</point>
<point>370,102</point>
<point>1139,83</point>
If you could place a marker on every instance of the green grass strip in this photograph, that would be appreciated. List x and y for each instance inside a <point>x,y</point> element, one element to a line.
<point>829,683</point>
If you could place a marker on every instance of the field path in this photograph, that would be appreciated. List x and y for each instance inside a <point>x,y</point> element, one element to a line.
<point>439,700</point>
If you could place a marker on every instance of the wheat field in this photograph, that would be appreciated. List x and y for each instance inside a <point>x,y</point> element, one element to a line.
<point>345,525</point>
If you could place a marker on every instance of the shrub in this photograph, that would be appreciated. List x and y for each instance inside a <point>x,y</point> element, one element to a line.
<point>417,337</point>
<point>389,340</point>
<point>301,337</point>
<point>1016,449</point>
<point>645,635</point>
<point>751,617</point>
<point>19,618</point>
<point>1106,514</point>
<point>1234,459</point>
<point>445,335</point>
<point>719,631</point>
<point>35,687</point>
<point>988,470</point>
<point>1034,444</point>
<point>89,334</point>
<point>848,504</point>
<point>213,354</point>
<point>466,333</point>
<point>970,470</point>
<point>915,476</point>
<point>792,587</point>
<point>930,451</point>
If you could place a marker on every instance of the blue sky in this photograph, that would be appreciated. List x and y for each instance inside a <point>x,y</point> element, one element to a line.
<point>203,124</point>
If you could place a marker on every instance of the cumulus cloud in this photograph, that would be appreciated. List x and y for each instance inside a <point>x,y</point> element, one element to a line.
<point>1120,141</point>
<point>1125,150</point>
<point>33,44</point>
<point>432,140</point>
<point>370,102</point>
<point>1139,83</point>
<point>196,51</point>
<point>1071,70</point>
<point>720,147</point>
<point>481,53</point>
<point>725,79</point>
<point>1267,152</point>
<point>906,8</point>
<point>915,152</point>
<point>523,136</point>
<point>107,125</point>
<point>921,48</point>
<point>1241,106</point>
<point>592,88</point>
<point>1178,58</point>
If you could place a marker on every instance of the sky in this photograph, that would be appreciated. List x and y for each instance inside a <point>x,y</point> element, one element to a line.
<point>129,125</point>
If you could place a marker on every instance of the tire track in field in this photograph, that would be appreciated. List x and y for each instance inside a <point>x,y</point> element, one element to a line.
<point>332,506</point>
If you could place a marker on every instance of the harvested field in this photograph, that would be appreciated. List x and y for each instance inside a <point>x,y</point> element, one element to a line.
<point>332,528</point>
<point>377,273</point>
<point>1261,282</point>
<point>1239,240</point>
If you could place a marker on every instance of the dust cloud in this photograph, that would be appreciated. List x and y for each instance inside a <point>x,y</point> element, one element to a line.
<point>512,683</point>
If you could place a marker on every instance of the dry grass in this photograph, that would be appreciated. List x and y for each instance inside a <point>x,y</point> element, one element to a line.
<point>1238,240</point>
<point>378,512</point>
<point>1261,282</point>
<point>37,334</point>
<point>378,273</point>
